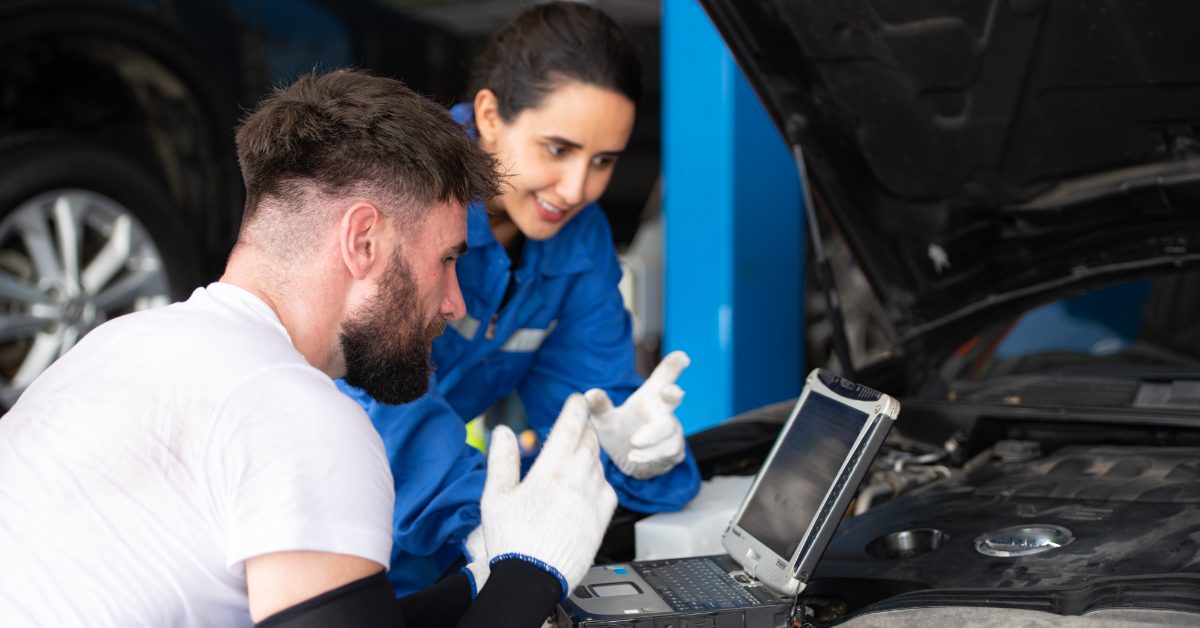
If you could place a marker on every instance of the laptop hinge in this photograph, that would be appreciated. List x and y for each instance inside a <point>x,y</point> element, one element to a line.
<point>751,566</point>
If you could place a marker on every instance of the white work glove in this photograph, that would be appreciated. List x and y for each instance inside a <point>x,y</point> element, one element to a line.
<point>643,437</point>
<point>556,517</point>
<point>475,551</point>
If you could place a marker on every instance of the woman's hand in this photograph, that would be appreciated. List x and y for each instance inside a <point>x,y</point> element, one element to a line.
<point>643,436</point>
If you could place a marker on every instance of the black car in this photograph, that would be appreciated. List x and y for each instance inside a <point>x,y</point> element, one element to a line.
<point>1019,183</point>
<point>119,187</point>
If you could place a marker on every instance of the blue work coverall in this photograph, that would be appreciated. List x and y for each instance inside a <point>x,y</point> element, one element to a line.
<point>564,329</point>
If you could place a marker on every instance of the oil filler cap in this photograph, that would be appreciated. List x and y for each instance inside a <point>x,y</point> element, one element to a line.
<point>1024,540</point>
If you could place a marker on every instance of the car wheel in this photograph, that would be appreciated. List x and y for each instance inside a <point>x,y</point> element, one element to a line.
<point>85,236</point>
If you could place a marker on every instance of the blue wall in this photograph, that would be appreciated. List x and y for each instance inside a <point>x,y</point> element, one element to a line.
<point>734,250</point>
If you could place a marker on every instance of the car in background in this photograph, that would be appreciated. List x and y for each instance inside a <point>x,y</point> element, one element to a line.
<point>119,187</point>
<point>1019,184</point>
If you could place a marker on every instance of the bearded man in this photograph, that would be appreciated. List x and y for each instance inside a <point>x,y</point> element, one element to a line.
<point>195,465</point>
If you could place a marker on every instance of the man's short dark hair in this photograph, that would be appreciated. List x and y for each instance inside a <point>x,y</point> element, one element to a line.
<point>347,131</point>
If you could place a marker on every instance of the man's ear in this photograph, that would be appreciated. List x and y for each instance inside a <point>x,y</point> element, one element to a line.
<point>361,238</point>
<point>487,116</point>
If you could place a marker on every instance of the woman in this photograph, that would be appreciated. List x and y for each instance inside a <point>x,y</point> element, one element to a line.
<point>554,102</point>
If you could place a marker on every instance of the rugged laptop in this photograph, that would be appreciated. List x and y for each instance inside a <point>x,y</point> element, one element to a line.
<point>775,539</point>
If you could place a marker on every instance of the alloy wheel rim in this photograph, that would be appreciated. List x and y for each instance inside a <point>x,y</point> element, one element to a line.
<point>70,259</point>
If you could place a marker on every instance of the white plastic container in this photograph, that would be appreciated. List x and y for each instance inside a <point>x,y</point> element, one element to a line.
<point>696,530</point>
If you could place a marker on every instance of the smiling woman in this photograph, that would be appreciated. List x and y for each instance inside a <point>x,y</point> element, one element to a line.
<point>555,166</point>
<point>554,98</point>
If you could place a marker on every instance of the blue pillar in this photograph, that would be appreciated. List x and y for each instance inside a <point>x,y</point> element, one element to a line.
<point>734,249</point>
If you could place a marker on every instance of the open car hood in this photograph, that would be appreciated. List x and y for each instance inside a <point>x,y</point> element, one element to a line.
<point>980,157</point>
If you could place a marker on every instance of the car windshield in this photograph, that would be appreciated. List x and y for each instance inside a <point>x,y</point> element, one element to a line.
<point>1140,323</point>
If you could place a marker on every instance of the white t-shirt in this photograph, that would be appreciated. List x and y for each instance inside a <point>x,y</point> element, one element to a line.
<point>143,468</point>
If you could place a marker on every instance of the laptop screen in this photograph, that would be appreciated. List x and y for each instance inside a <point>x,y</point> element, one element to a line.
<point>805,465</point>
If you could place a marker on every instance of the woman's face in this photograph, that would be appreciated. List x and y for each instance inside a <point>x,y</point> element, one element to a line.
<point>559,156</point>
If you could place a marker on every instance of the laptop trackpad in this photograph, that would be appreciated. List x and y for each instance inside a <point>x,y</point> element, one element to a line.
<point>617,590</point>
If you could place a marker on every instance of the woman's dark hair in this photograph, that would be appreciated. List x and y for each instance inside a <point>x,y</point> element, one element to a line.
<point>549,43</point>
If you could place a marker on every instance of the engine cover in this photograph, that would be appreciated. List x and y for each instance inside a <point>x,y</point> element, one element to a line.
<point>1087,514</point>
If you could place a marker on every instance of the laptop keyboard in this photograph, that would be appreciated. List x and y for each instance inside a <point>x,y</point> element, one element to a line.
<point>689,584</point>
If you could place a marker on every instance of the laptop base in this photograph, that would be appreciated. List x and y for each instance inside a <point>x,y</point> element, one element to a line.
<point>702,592</point>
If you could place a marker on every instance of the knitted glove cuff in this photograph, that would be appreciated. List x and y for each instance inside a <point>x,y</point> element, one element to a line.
<point>540,564</point>
<point>471,579</point>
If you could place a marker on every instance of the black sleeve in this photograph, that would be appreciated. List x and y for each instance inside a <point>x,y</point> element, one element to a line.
<point>441,605</point>
<point>517,595</point>
<point>366,603</point>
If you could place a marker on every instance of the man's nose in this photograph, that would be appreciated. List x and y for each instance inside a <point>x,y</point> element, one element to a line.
<point>453,306</point>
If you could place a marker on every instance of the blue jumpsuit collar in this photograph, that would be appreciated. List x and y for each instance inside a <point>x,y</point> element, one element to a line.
<point>560,257</point>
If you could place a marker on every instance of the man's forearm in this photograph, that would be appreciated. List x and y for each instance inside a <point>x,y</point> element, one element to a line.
<point>441,605</point>
<point>517,595</point>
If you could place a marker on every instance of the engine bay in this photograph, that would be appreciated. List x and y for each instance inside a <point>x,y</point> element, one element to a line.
<point>1055,513</point>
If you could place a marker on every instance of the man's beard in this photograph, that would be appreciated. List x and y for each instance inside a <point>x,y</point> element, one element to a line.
<point>385,344</point>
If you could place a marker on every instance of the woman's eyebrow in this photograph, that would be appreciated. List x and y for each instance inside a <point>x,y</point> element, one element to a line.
<point>562,140</point>
<point>570,144</point>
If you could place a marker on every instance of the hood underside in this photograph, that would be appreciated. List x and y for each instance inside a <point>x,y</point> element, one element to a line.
<point>982,156</point>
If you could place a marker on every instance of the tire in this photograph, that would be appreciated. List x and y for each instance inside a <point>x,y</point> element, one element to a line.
<point>85,236</point>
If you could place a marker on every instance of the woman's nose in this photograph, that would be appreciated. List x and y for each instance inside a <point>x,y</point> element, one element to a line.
<point>573,184</point>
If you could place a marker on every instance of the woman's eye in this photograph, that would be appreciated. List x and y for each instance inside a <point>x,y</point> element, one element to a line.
<point>604,161</point>
<point>556,149</point>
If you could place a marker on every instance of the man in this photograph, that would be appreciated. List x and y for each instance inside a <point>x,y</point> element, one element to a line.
<point>195,464</point>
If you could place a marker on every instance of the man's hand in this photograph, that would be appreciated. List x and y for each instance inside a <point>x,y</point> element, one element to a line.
<point>556,517</point>
<point>643,437</point>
